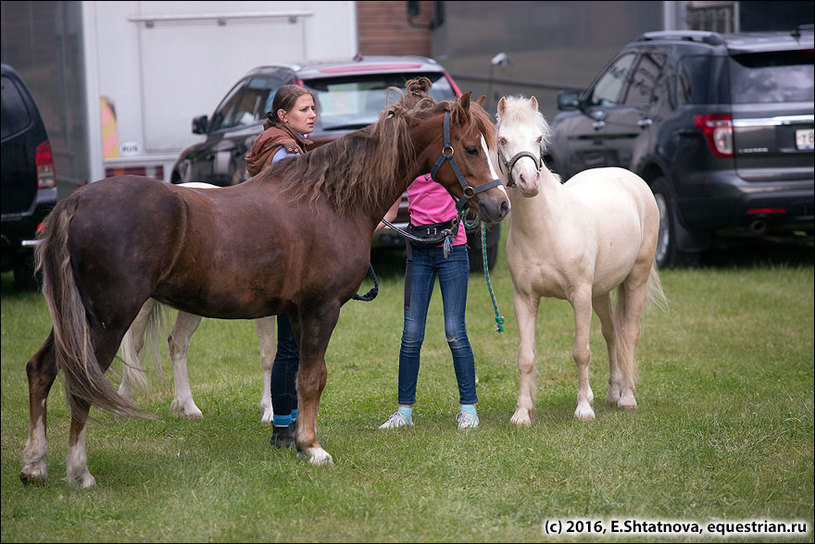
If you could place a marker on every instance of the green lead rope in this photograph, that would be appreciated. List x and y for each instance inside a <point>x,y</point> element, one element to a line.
<point>499,319</point>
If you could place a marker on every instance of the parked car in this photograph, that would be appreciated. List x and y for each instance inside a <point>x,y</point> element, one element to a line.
<point>29,189</point>
<point>350,94</point>
<point>720,126</point>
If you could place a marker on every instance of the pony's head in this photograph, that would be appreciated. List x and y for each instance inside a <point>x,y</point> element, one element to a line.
<point>523,134</point>
<point>453,140</point>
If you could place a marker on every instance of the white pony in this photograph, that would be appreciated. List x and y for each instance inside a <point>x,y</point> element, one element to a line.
<point>186,324</point>
<point>576,241</point>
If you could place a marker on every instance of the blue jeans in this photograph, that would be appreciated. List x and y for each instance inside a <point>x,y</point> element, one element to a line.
<point>453,273</point>
<point>284,371</point>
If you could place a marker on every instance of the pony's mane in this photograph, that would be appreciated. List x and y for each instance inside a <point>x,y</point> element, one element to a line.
<point>518,111</point>
<point>361,167</point>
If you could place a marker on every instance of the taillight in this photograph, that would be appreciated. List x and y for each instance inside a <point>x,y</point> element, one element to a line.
<point>45,166</point>
<point>718,130</point>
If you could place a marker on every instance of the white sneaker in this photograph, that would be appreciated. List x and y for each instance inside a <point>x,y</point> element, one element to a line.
<point>397,420</point>
<point>467,420</point>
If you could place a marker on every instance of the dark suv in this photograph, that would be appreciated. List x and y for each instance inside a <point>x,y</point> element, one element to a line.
<point>28,181</point>
<point>350,95</point>
<point>720,126</point>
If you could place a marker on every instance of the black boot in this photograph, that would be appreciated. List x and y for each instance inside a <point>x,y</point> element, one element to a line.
<point>283,437</point>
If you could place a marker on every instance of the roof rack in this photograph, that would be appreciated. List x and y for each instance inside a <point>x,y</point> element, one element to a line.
<point>703,36</point>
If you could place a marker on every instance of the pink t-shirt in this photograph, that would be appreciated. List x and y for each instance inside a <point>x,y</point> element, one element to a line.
<point>429,202</point>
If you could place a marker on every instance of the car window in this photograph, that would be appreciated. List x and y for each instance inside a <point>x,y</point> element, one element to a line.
<point>644,78</point>
<point>607,89</point>
<point>14,112</point>
<point>351,102</point>
<point>701,79</point>
<point>247,102</point>
<point>779,76</point>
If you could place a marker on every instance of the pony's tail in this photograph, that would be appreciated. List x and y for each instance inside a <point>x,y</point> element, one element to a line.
<point>655,296</point>
<point>74,350</point>
<point>154,314</point>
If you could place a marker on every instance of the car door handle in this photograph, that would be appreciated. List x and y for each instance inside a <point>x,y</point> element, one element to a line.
<point>645,123</point>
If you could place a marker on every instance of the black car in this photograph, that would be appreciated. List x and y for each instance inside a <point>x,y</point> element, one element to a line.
<point>720,126</point>
<point>350,94</point>
<point>29,189</point>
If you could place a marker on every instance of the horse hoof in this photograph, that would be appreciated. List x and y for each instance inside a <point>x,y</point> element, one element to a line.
<point>584,415</point>
<point>627,407</point>
<point>316,456</point>
<point>32,479</point>
<point>187,412</point>
<point>266,416</point>
<point>84,481</point>
<point>521,420</point>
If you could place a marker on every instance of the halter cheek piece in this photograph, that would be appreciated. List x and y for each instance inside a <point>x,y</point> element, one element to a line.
<point>507,166</point>
<point>468,190</point>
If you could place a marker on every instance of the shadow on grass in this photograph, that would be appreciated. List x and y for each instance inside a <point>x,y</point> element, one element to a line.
<point>754,253</point>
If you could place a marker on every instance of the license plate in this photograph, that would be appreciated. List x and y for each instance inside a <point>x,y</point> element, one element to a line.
<point>804,139</point>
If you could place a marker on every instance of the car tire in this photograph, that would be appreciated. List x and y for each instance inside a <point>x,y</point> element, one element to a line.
<point>474,247</point>
<point>668,253</point>
<point>24,277</point>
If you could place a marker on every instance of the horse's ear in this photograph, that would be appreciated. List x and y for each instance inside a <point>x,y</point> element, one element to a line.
<point>534,103</point>
<point>465,100</point>
<point>502,105</point>
<point>480,100</point>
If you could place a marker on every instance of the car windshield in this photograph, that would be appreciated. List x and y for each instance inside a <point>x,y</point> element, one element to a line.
<point>780,76</point>
<point>353,102</point>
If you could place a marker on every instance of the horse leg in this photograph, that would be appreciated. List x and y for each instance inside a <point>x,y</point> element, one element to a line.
<point>132,344</point>
<point>179,341</point>
<point>602,307</point>
<point>106,343</point>
<point>314,331</point>
<point>42,371</point>
<point>265,328</point>
<point>581,352</point>
<point>526,314</point>
<point>631,296</point>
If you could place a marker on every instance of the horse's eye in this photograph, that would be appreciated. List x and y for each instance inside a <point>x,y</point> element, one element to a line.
<point>540,139</point>
<point>502,141</point>
<point>471,151</point>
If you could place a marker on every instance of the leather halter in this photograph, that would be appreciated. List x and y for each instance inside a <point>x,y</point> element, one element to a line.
<point>509,165</point>
<point>468,190</point>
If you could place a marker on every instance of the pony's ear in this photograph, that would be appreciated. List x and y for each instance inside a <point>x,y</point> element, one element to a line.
<point>502,106</point>
<point>465,100</point>
<point>480,100</point>
<point>534,103</point>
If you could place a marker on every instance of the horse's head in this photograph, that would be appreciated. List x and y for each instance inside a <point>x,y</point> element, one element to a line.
<point>458,153</point>
<point>522,137</point>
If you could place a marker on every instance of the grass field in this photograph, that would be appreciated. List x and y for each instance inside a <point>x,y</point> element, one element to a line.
<point>723,433</point>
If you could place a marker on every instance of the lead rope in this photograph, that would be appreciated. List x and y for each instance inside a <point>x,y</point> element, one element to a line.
<point>499,319</point>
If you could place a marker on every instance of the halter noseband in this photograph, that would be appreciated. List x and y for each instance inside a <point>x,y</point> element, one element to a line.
<point>468,190</point>
<point>509,165</point>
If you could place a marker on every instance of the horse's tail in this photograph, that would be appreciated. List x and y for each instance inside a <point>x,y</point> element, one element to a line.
<point>154,317</point>
<point>655,296</point>
<point>74,348</point>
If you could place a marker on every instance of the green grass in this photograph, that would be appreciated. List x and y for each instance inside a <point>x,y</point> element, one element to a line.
<point>724,429</point>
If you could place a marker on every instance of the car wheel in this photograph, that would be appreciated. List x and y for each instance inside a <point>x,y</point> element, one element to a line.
<point>475,251</point>
<point>24,277</point>
<point>668,253</point>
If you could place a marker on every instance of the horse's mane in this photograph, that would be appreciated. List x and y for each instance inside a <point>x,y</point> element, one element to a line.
<point>361,167</point>
<point>517,111</point>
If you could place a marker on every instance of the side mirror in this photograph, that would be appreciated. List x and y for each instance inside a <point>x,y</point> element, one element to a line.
<point>568,100</point>
<point>199,125</point>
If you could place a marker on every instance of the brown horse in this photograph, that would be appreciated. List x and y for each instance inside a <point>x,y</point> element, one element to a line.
<point>294,239</point>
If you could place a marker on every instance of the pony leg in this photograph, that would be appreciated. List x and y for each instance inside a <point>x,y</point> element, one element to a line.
<point>185,326</point>
<point>132,344</point>
<point>76,466</point>
<point>265,328</point>
<point>526,314</point>
<point>42,371</point>
<point>314,331</point>
<point>581,352</point>
<point>631,296</point>
<point>602,307</point>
